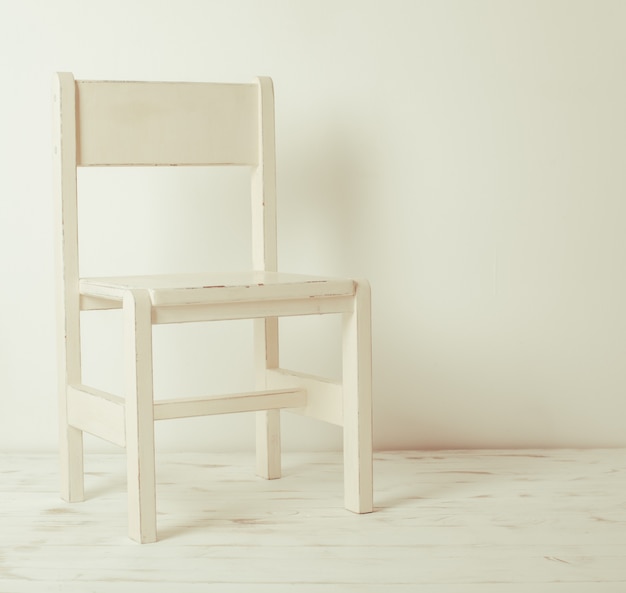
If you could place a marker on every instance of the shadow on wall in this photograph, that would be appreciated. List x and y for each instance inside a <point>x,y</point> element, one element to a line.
<point>327,186</point>
<point>445,366</point>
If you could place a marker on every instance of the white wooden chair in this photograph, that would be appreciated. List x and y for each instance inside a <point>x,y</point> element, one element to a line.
<point>152,124</point>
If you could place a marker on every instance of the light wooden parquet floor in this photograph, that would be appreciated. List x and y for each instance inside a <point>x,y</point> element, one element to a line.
<point>445,522</point>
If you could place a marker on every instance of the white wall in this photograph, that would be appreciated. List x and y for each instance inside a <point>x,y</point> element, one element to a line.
<point>466,156</point>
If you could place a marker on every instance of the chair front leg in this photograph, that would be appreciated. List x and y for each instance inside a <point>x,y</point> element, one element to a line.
<point>357,403</point>
<point>268,454</point>
<point>137,311</point>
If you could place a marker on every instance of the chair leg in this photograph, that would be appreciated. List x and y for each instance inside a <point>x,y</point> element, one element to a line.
<point>268,458</point>
<point>70,438</point>
<point>139,417</point>
<point>71,457</point>
<point>268,454</point>
<point>357,403</point>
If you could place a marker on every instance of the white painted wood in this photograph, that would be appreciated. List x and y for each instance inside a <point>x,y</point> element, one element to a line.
<point>67,297</point>
<point>357,403</point>
<point>251,310</point>
<point>241,310</point>
<point>263,184</point>
<point>228,404</point>
<point>268,440</point>
<point>324,397</point>
<point>97,412</point>
<point>445,522</point>
<point>139,417</point>
<point>192,289</point>
<point>160,123</point>
<point>268,444</point>
<point>265,258</point>
<point>108,123</point>
<point>94,303</point>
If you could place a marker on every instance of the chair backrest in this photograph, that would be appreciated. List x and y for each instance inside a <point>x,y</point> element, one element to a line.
<point>107,123</point>
<point>147,123</point>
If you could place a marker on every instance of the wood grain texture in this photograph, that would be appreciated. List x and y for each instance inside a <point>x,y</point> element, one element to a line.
<point>444,522</point>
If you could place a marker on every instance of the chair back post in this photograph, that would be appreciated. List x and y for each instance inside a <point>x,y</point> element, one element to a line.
<point>265,258</point>
<point>66,225</point>
<point>264,249</point>
<point>68,296</point>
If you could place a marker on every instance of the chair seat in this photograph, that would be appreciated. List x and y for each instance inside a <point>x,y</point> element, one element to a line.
<point>206,288</point>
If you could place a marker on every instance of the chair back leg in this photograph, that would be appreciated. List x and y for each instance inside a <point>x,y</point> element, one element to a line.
<point>268,446</point>
<point>268,449</point>
<point>357,403</point>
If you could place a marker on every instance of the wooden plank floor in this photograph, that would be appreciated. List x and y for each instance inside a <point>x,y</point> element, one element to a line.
<point>445,522</point>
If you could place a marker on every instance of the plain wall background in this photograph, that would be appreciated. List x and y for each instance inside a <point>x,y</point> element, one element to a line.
<point>468,157</point>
